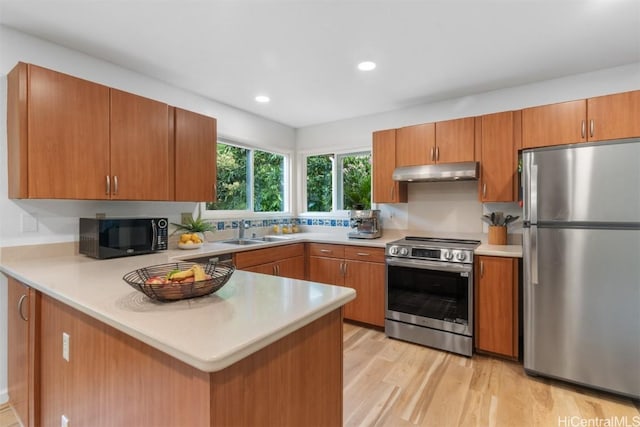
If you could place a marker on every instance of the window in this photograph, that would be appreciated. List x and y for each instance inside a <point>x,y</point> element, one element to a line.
<point>249,179</point>
<point>338,181</point>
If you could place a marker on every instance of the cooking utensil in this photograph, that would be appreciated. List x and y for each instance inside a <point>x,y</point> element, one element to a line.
<point>486,219</point>
<point>509,219</point>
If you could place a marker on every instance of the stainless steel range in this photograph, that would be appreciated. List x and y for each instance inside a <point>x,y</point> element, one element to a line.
<point>429,292</point>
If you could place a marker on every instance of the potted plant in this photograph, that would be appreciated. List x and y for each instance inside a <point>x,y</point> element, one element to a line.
<point>194,226</point>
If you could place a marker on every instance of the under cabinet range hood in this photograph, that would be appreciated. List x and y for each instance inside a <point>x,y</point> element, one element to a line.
<point>463,171</point>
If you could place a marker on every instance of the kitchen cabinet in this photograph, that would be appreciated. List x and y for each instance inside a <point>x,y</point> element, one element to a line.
<point>595,119</point>
<point>496,306</point>
<point>448,141</point>
<point>22,354</point>
<point>359,267</point>
<point>57,135</point>
<point>498,136</point>
<point>284,261</point>
<point>195,156</point>
<point>455,141</point>
<point>415,145</point>
<point>385,189</point>
<point>141,167</point>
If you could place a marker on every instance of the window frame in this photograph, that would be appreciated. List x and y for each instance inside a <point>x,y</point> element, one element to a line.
<point>249,213</point>
<point>336,192</point>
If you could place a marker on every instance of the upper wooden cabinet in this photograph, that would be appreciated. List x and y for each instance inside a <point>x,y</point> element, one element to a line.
<point>385,189</point>
<point>57,135</point>
<point>498,134</point>
<point>455,141</point>
<point>140,148</point>
<point>415,145</point>
<point>69,138</point>
<point>195,158</point>
<point>442,142</point>
<point>594,119</point>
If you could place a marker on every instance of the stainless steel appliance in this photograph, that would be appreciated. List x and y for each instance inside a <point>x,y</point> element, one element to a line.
<point>365,224</point>
<point>582,264</point>
<point>429,292</point>
<point>116,237</point>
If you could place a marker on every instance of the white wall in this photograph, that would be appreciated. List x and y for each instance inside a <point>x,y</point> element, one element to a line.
<point>58,220</point>
<point>454,206</point>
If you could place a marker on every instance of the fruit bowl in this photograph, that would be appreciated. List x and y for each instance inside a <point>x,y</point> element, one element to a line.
<point>143,280</point>
<point>190,245</point>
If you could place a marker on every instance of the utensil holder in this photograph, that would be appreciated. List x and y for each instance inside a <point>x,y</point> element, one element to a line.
<point>497,235</point>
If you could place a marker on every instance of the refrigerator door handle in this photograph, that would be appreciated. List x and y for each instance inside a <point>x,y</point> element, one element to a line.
<point>534,254</point>
<point>533,194</point>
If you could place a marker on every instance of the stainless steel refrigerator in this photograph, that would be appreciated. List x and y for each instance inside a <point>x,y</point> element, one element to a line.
<point>581,278</point>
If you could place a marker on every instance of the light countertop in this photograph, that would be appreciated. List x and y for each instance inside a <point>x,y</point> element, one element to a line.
<point>210,333</point>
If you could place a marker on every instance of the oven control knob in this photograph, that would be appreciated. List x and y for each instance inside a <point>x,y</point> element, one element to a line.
<point>448,255</point>
<point>460,256</point>
<point>393,250</point>
<point>404,251</point>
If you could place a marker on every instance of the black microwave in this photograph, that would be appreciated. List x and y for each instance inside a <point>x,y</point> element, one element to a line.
<point>117,237</point>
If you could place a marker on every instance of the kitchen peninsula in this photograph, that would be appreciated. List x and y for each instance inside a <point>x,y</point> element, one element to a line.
<point>263,350</point>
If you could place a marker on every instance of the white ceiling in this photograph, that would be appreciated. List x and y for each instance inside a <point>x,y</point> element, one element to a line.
<point>303,54</point>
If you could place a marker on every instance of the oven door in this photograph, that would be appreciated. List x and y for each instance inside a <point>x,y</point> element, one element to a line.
<point>434,294</point>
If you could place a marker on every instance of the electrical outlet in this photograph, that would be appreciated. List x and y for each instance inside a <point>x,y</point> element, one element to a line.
<point>64,421</point>
<point>65,346</point>
<point>185,217</point>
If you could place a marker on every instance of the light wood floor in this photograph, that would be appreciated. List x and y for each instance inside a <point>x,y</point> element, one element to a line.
<point>393,383</point>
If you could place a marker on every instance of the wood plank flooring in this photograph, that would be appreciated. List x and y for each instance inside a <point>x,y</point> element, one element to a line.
<point>393,383</point>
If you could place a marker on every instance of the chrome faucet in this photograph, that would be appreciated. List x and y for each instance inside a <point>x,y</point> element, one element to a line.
<point>241,227</point>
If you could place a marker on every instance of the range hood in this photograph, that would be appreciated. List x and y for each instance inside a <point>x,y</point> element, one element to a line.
<point>463,171</point>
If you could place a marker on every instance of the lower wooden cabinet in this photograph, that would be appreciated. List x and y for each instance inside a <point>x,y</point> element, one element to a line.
<point>357,267</point>
<point>22,352</point>
<point>496,305</point>
<point>283,261</point>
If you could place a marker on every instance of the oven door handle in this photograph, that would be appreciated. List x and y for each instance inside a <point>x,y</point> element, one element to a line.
<point>430,265</point>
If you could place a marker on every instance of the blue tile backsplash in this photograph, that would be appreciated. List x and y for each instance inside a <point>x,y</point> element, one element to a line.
<point>324,222</point>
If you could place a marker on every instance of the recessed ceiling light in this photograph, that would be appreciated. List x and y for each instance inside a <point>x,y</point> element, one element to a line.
<point>366,66</point>
<point>262,99</point>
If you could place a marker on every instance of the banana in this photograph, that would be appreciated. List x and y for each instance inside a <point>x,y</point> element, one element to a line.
<point>198,273</point>
<point>180,275</point>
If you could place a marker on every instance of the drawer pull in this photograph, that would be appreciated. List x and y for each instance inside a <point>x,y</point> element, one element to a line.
<point>326,251</point>
<point>20,303</point>
<point>363,254</point>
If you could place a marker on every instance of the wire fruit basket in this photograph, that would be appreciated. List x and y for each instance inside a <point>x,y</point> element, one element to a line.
<point>152,282</point>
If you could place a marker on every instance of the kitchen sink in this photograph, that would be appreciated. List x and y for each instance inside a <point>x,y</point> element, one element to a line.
<point>275,238</point>
<point>243,241</point>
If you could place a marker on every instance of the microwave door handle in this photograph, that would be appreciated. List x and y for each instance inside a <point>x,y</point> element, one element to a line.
<point>154,230</point>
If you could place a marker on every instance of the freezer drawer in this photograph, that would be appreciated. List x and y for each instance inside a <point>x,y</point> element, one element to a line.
<point>582,314</point>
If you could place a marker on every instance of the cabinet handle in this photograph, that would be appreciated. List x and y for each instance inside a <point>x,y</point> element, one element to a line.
<point>273,268</point>
<point>363,254</point>
<point>115,184</point>
<point>20,302</point>
<point>345,269</point>
<point>277,269</point>
<point>437,154</point>
<point>583,129</point>
<point>108,185</point>
<point>433,157</point>
<point>591,127</point>
<point>484,190</point>
<point>393,190</point>
<point>481,269</point>
<point>326,251</point>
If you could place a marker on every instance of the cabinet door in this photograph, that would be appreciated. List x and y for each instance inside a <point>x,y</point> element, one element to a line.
<point>367,278</point>
<point>68,136</point>
<point>496,306</point>
<point>140,163</point>
<point>555,124</point>
<point>195,157</point>
<point>292,268</point>
<point>385,189</point>
<point>269,268</point>
<point>614,116</point>
<point>415,145</point>
<point>455,140</point>
<point>21,351</point>
<point>326,270</point>
<point>498,158</point>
